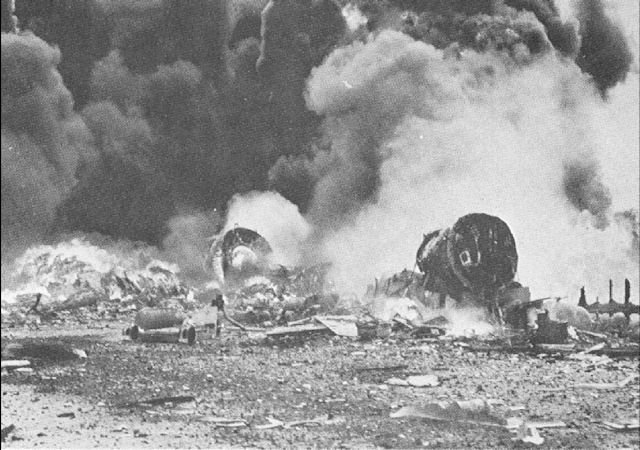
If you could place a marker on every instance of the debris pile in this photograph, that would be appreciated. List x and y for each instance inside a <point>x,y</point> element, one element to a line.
<point>55,280</point>
<point>612,307</point>
<point>282,302</point>
<point>283,295</point>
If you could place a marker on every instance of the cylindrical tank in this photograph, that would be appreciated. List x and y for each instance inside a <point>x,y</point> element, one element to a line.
<point>156,318</point>
<point>477,256</point>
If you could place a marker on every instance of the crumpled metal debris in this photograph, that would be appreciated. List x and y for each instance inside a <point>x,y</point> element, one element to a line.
<point>415,381</point>
<point>477,255</point>
<point>612,307</point>
<point>477,411</point>
<point>320,420</point>
<point>626,425</point>
<point>50,281</point>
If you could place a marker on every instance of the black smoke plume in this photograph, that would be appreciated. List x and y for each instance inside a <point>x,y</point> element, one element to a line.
<point>339,176</point>
<point>296,36</point>
<point>562,35</point>
<point>44,142</point>
<point>604,53</point>
<point>631,221</point>
<point>585,190</point>
<point>78,28</point>
<point>121,115</point>
<point>171,116</point>
<point>480,25</point>
<point>148,33</point>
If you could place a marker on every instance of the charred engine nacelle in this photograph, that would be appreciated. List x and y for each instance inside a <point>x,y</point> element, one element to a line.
<point>240,252</point>
<point>243,249</point>
<point>477,257</point>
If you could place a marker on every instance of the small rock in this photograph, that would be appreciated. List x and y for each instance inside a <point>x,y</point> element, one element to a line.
<point>138,434</point>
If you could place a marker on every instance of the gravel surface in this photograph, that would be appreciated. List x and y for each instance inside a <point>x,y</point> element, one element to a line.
<point>340,381</point>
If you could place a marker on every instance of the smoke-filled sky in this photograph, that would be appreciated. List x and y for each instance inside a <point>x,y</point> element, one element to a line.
<point>363,123</point>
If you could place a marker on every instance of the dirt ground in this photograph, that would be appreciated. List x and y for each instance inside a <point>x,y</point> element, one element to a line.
<point>339,381</point>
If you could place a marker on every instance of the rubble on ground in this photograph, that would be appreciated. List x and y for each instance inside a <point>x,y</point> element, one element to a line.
<point>79,279</point>
<point>54,282</point>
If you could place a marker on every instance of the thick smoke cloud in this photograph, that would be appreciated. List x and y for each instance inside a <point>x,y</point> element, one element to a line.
<point>599,46</point>
<point>364,94</point>
<point>77,28</point>
<point>124,193</point>
<point>363,97</point>
<point>464,135</point>
<point>563,35</point>
<point>479,25</point>
<point>630,221</point>
<point>179,106</point>
<point>521,30</point>
<point>178,120</point>
<point>148,33</point>
<point>585,190</point>
<point>44,142</point>
<point>296,35</point>
<point>187,239</point>
<point>275,218</point>
<point>604,52</point>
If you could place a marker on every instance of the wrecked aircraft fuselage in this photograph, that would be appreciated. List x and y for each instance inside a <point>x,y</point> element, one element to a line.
<point>475,258</point>
<point>242,247</point>
<point>239,252</point>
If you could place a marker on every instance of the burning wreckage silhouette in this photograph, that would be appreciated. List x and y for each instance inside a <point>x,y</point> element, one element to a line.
<point>474,262</point>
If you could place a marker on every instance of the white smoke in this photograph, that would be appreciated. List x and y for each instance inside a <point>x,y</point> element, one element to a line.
<point>485,134</point>
<point>354,17</point>
<point>277,219</point>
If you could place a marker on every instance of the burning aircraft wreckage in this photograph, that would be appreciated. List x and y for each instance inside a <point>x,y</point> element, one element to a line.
<point>346,127</point>
<point>472,264</point>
